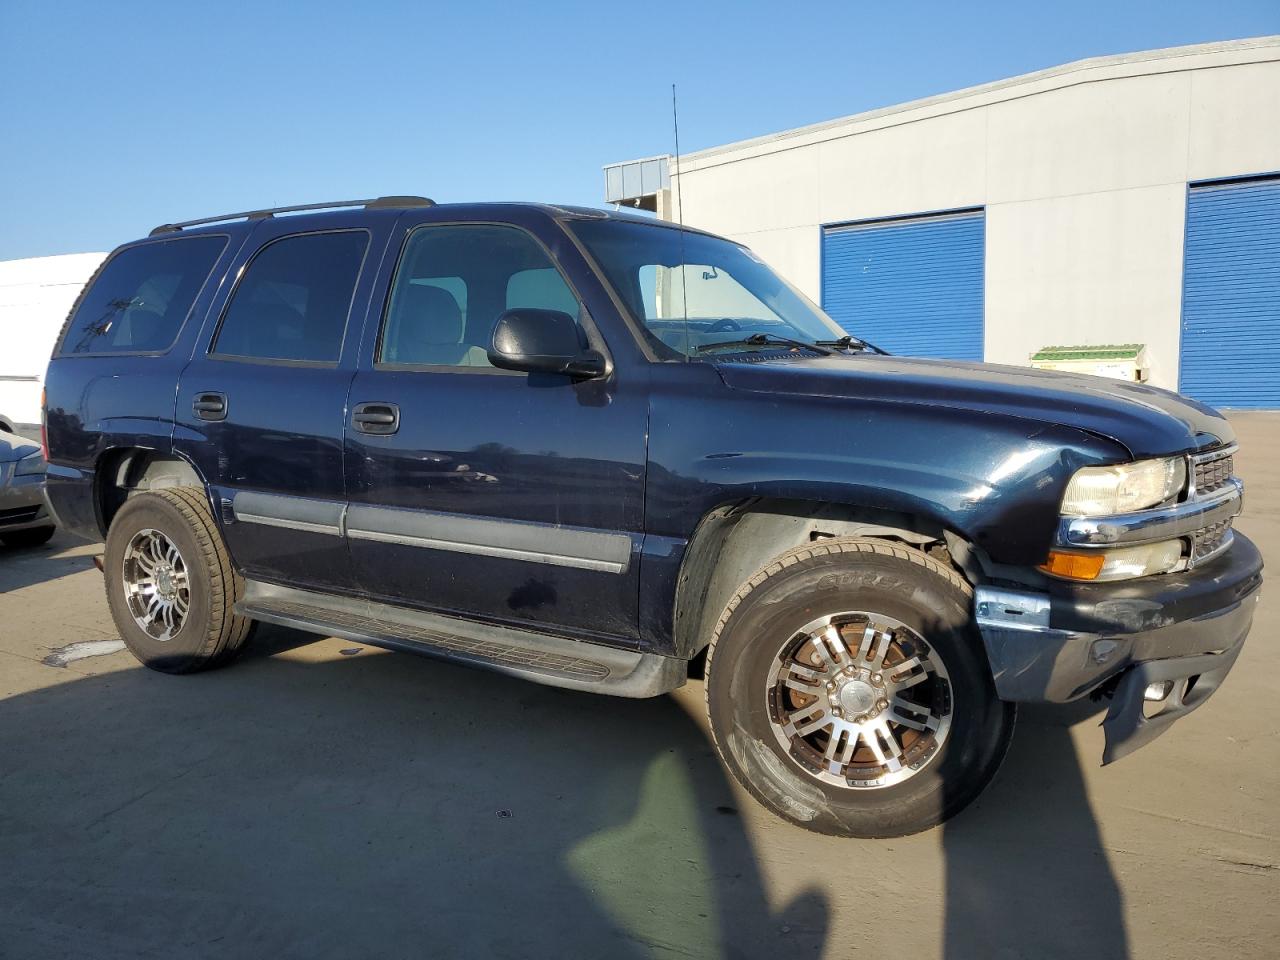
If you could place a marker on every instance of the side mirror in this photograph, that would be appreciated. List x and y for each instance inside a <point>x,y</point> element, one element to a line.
<point>543,341</point>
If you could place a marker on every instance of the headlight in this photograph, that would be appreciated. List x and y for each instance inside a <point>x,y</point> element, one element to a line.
<point>1103,491</point>
<point>1123,563</point>
<point>30,465</point>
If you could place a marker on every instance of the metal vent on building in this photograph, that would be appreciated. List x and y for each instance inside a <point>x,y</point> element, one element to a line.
<point>637,183</point>
<point>1230,353</point>
<point>911,285</point>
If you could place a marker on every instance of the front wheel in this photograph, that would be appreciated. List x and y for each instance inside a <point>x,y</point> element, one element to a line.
<point>848,690</point>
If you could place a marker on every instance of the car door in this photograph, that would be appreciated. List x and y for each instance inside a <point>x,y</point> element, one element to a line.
<point>261,406</point>
<point>481,492</point>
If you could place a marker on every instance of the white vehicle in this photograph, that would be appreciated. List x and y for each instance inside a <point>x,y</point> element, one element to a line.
<point>36,295</point>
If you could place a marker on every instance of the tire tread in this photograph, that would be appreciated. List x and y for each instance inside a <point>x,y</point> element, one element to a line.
<point>834,546</point>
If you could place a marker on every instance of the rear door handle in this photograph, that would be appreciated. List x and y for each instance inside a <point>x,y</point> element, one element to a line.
<point>210,406</point>
<point>376,417</point>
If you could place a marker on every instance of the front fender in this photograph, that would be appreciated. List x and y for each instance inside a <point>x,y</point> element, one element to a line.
<point>995,480</point>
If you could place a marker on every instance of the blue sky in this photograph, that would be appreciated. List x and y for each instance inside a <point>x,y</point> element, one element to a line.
<point>120,116</point>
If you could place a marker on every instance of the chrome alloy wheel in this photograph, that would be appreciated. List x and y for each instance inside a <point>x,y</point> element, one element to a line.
<point>859,700</point>
<point>157,587</point>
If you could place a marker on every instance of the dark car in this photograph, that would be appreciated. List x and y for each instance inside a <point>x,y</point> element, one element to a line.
<point>606,453</point>
<point>25,520</point>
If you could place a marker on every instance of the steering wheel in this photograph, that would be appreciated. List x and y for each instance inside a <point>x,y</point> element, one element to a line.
<point>724,323</point>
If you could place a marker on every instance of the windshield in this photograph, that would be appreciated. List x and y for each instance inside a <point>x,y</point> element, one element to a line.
<point>726,292</point>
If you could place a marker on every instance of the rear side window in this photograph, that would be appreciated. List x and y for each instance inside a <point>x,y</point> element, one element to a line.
<point>293,300</point>
<point>141,298</point>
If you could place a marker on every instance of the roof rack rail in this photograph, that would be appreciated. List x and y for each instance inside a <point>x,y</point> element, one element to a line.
<point>377,203</point>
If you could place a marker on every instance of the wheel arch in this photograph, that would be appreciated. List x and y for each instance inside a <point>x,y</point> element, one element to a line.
<point>734,540</point>
<point>122,472</point>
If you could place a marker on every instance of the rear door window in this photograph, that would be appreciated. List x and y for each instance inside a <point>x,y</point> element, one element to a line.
<point>293,300</point>
<point>141,298</point>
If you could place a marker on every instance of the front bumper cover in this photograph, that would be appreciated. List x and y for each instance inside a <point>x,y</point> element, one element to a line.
<point>22,501</point>
<point>1060,645</point>
<point>1193,679</point>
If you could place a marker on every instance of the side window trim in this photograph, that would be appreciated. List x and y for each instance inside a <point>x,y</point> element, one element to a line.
<point>584,318</point>
<point>210,351</point>
<point>218,268</point>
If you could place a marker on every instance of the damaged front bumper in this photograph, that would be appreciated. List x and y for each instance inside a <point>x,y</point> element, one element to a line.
<point>1182,632</point>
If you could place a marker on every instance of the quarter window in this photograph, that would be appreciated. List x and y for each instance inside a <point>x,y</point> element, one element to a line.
<point>294,298</point>
<point>452,284</point>
<point>140,300</point>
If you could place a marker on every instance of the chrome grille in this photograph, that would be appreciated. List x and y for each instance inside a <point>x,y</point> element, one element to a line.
<point>1211,472</point>
<point>1212,475</point>
<point>1209,539</point>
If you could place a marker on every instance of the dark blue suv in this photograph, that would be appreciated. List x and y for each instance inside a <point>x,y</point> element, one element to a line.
<point>603,452</point>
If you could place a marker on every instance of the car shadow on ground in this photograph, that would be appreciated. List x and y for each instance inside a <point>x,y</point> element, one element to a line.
<point>371,805</point>
<point>382,805</point>
<point>25,566</point>
<point>1027,874</point>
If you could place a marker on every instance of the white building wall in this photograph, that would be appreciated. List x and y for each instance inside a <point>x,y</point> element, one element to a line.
<point>1082,170</point>
<point>36,295</point>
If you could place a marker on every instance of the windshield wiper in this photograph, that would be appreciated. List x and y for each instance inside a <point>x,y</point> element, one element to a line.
<point>765,340</point>
<point>848,342</point>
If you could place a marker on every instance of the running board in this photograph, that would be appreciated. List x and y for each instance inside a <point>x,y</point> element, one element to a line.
<point>555,661</point>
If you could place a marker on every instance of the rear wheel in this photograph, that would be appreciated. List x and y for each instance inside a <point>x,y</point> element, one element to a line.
<point>28,538</point>
<point>849,692</point>
<point>170,583</point>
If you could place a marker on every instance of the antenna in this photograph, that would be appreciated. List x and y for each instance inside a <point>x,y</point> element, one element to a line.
<point>684,279</point>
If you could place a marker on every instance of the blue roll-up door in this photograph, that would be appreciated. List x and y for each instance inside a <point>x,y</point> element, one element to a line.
<point>912,286</point>
<point>1231,295</point>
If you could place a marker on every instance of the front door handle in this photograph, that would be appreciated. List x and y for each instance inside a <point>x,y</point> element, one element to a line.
<point>376,417</point>
<point>210,406</point>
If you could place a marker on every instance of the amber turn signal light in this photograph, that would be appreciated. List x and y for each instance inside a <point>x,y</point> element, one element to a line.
<point>1074,566</point>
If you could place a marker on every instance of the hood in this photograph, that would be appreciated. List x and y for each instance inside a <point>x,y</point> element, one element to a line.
<point>1146,420</point>
<point>14,447</point>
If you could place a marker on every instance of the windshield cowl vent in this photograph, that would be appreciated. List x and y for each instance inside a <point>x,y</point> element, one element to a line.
<point>760,356</point>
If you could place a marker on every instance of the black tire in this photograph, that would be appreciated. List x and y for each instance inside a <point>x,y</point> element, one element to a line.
<point>28,538</point>
<point>211,633</point>
<point>859,574</point>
